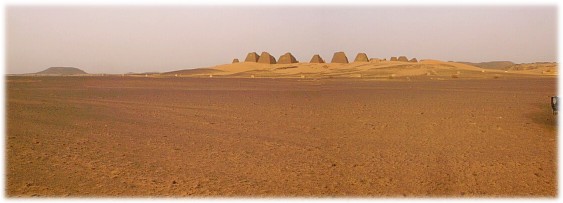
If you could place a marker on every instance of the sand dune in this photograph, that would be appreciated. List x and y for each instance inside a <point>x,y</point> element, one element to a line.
<point>498,65</point>
<point>380,69</point>
<point>197,71</point>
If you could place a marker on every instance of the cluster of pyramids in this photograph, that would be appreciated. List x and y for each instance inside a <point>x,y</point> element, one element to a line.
<point>403,59</point>
<point>338,57</point>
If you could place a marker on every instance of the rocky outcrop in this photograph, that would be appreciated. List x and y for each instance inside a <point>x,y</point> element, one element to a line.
<point>361,57</point>
<point>413,60</point>
<point>252,57</point>
<point>393,59</point>
<point>235,60</point>
<point>266,58</point>
<point>287,58</point>
<point>339,57</point>
<point>403,59</point>
<point>317,59</point>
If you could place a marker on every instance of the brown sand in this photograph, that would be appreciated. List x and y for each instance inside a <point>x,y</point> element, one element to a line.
<point>126,136</point>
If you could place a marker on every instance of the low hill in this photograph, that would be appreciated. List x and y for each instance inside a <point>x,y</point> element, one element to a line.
<point>496,65</point>
<point>143,73</point>
<point>545,68</point>
<point>62,71</point>
<point>203,71</point>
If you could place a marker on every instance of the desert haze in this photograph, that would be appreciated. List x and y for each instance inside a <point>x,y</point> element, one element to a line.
<point>387,101</point>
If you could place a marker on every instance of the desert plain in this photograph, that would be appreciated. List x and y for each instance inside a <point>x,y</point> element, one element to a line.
<point>418,135</point>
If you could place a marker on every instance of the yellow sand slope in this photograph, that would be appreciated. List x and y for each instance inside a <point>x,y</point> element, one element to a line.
<point>383,69</point>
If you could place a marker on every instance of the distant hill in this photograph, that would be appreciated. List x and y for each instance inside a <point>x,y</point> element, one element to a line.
<point>62,71</point>
<point>545,68</point>
<point>496,65</point>
<point>144,73</point>
<point>194,71</point>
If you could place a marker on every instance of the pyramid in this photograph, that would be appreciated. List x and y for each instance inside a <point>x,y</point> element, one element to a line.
<point>413,60</point>
<point>266,58</point>
<point>376,60</point>
<point>317,59</point>
<point>287,58</point>
<point>403,58</point>
<point>339,57</point>
<point>361,57</point>
<point>251,57</point>
<point>235,60</point>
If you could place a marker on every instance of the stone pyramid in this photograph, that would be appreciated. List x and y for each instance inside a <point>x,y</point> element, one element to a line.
<point>339,57</point>
<point>287,58</point>
<point>252,57</point>
<point>376,60</point>
<point>413,60</point>
<point>361,57</point>
<point>235,60</point>
<point>317,59</point>
<point>266,58</point>
<point>403,58</point>
<point>393,59</point>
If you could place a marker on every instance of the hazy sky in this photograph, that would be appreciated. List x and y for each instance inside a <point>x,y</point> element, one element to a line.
<point>120,39</point>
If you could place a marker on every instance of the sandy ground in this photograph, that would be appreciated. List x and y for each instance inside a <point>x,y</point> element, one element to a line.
<point>113,136</point>
<point>366,70</point>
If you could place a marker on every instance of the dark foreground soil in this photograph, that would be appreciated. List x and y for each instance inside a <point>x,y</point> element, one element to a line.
<point>114,136</point>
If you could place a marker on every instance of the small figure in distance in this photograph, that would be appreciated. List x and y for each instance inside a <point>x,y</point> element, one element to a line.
<point>554,104</point>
